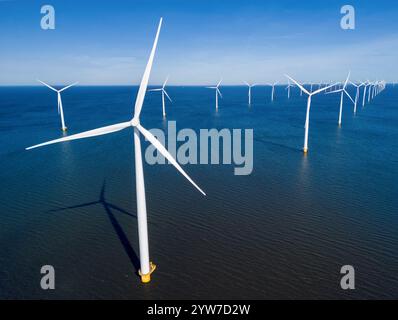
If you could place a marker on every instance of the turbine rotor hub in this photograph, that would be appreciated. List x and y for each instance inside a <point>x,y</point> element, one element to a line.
<point>135,122</point>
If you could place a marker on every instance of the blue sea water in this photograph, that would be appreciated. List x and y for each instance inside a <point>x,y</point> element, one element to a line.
<point>282,232</point>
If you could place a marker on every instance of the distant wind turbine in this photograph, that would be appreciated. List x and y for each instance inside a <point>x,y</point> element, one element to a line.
<point>307,118</point>
<point>60,108</point>
<point>358,86</point>
<point>250,91</point>
<point>289,85</point>
<point>164,93</point>
<point>371,84</point>
<point>343,92</point>
<point>146,266</point>
<point>367,84</point>
<point>273,89</point>
<point>218,92</point>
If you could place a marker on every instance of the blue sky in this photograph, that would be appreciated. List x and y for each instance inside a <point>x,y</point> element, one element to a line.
<point>108,42</point>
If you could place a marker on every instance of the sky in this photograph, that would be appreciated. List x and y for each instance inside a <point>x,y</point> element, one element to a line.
<point>201,41</point>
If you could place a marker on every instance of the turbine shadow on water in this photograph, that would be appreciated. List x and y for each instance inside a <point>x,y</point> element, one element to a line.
<point>115,224</point>
<point>275,144</point>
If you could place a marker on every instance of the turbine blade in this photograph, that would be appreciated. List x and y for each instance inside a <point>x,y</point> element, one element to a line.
<point>71,85</point>
<point>47,85</point>
<point>151,138</point>
<point>219,83</point>
<point>349,96</point>
<point>354,84</point>
<point>160,89</point>
<point>298,84</point>
<point>164,84</point>
<point>346,81</point>
<point>167,95</point>
<point>219,92</point>
<point>246,83</point>
<point>145,78</point>
<point>87,134</point>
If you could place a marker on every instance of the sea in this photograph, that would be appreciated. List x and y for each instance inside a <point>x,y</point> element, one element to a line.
<point>283,232</point>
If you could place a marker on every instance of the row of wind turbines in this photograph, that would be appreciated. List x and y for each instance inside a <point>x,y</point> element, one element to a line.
<point>146,266</point>
<point>374,89</point>
<point>370,91</point>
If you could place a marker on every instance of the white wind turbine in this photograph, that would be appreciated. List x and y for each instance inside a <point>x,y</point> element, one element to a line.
<point>250,91</point>
<point>146,266</point>
<point>60,108</point>
<point>218,92</point>
<point>289,85</point>
<point>358,86</point>
<point>343,91</point>
<point>307,118</point>
<point>372,95</point>
<point>273,89</point>
<point>371,84</point>
<point>367,84</point>
<point>164,93</point>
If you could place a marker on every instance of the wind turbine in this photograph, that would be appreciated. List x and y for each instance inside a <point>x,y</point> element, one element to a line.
<point>343,91</point>
<point>164,93</point>
<point>273,89</point>
<point>289,85</point>
<point>358,86</point>
<point>367,84</point>
<point>147,267</point>
<point>307,118</point>
<point>218,92</point>
<point>250,91</point>
<point>60,108</point>
<point>371,84</point>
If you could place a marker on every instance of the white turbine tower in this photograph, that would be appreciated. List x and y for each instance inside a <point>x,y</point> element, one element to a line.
<point>60,108</point>
<point>273,89</point>
<point>343,91</point>
<point>250,91</point>
<point>289,85</point>
<point>307,118</point>
<point>146,266</point>
<point>164,93</point>
<point>218,92</point>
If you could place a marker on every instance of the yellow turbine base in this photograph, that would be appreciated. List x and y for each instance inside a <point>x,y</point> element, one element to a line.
<point>145,278</point>
<point>305,151</point>
<point>64,129</point>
